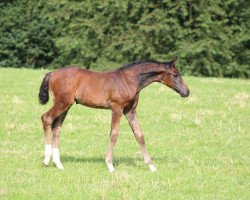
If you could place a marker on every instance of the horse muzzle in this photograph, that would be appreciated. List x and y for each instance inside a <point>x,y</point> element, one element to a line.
<point>184,93</point>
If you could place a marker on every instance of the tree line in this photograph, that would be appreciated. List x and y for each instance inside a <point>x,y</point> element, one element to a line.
<point>211,38</point>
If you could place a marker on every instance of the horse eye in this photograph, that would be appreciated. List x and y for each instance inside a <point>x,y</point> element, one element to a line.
<point>175,75</point>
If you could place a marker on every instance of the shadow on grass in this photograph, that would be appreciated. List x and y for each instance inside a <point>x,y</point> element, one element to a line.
<point>117,160</point>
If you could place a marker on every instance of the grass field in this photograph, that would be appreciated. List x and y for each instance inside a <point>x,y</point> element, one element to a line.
<point>200,145</point>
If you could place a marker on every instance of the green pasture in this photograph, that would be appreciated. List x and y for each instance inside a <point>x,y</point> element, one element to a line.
<point>200,144</point>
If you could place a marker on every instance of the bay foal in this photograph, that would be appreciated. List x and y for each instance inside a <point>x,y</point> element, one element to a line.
<point>117,90</point>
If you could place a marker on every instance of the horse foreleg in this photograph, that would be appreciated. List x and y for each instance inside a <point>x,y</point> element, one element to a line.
<point>132,119</point>
<point>116,116</point>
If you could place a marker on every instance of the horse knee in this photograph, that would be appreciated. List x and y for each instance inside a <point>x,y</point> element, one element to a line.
<point>113,135</point>
<point>140,139</point>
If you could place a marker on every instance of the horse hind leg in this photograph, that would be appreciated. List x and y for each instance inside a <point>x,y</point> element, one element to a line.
<point>56,125</point>
<point>47,120</point>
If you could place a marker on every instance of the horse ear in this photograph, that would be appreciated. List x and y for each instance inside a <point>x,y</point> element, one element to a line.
<point>172,62</point>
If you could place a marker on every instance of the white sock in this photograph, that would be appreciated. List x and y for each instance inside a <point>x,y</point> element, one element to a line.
<point>110,166</point>
<point>56,158</point>
<point>48,150</point>
<point>47,153</point>
<point>152,168</point>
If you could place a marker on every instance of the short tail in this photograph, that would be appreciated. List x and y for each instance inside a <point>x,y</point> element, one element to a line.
<point>44,89</point>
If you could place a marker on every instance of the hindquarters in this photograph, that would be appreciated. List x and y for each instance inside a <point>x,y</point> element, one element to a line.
<point>62,83</point>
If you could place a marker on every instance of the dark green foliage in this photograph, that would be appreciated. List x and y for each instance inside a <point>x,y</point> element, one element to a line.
<point>211,38</point>
<point>26,36</point>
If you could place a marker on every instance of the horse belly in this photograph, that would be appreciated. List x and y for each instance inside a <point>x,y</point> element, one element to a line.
<point>94,104</point>
<point>93,97</point>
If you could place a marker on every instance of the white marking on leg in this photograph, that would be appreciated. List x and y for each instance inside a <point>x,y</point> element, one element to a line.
<point>152,168</point>
<point>47,153</point>
<point>110,166</point>
<point>56,158</point>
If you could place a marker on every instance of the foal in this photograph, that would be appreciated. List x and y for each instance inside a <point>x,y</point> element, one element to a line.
<point>117,90</point>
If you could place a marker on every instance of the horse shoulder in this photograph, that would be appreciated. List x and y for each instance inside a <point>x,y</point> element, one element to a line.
<point>123,88</point>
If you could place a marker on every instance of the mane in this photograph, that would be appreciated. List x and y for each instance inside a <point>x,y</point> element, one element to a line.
<point>140,62</point>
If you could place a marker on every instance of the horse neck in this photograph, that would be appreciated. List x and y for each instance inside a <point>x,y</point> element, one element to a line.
<point>147,74</point>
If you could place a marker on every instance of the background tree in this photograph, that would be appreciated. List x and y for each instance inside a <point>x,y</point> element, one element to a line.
<point>210,37</point>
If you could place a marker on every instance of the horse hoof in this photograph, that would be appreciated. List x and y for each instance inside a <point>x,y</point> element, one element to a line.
<point>152,168</point>
<point>110,167</point>
<point>45,163</point>
<point>59,166</point>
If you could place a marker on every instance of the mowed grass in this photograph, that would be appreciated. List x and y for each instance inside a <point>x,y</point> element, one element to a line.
<point>200,144</point>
